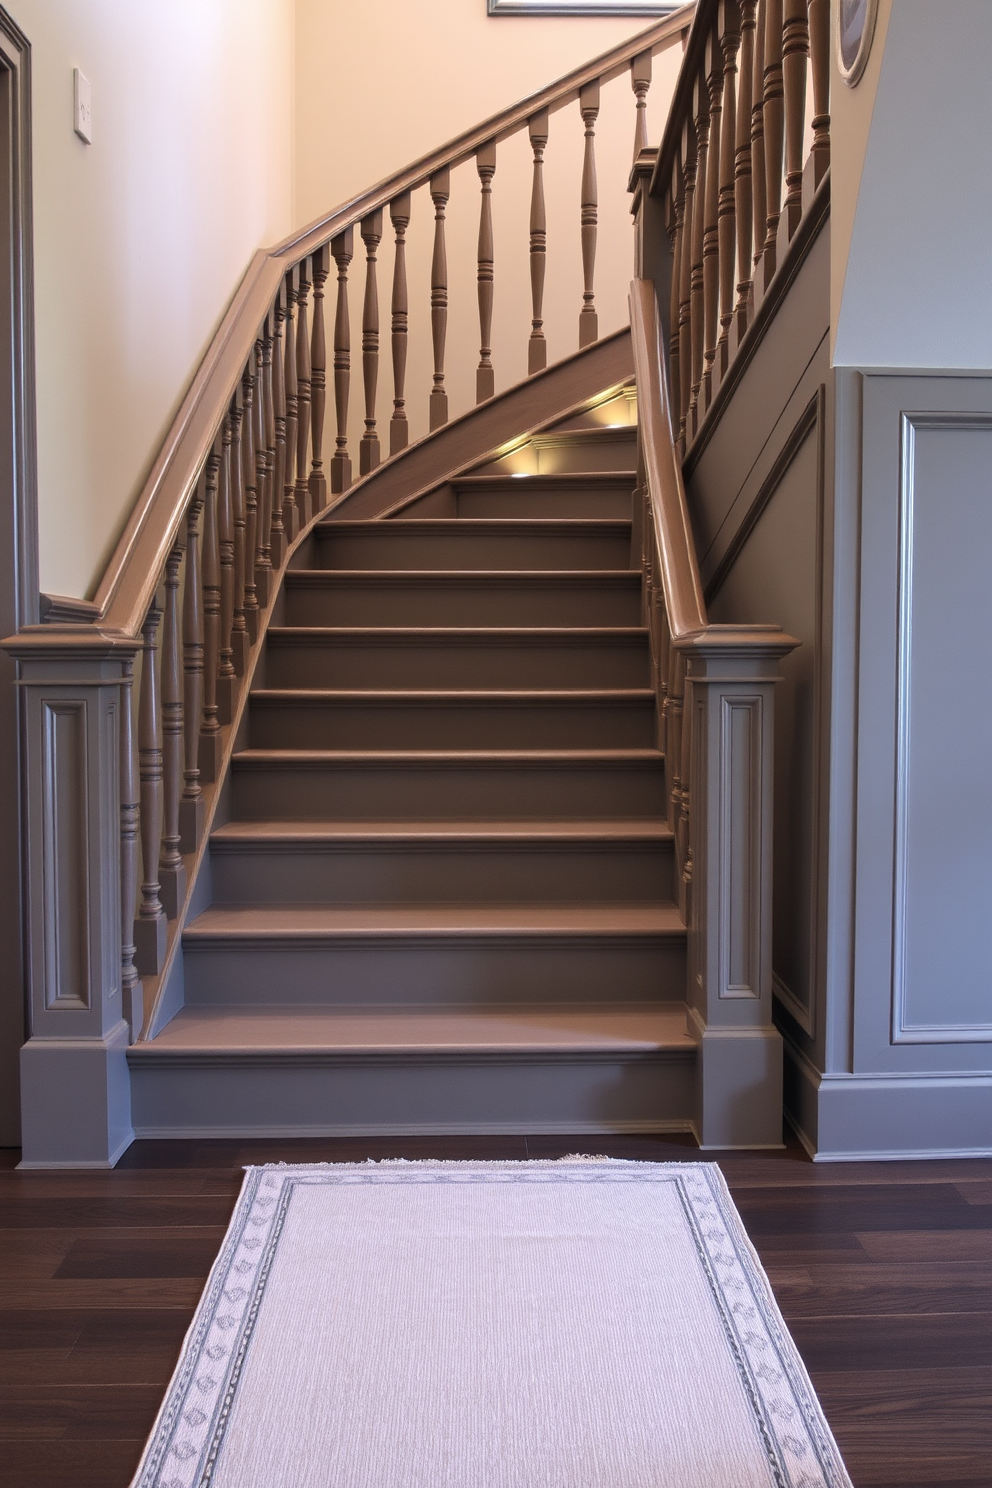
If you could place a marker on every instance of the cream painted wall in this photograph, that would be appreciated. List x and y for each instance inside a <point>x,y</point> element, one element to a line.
<point>379,84</point>
<point>142,237</point>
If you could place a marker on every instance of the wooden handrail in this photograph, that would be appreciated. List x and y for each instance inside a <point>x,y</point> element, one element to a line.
<point>136,565</point>
<point>668,507</point>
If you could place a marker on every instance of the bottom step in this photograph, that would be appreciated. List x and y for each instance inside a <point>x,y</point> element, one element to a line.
<point>306,1072</point>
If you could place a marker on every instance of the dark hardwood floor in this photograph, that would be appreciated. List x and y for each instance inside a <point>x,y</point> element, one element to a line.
<point>883,1272</point>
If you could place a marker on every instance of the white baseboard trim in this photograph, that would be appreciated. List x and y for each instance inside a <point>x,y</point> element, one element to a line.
<point>414,1129</point>
<point>888,1117</point>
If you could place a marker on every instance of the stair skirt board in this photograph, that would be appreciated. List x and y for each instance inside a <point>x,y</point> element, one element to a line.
<point>277,1096</point>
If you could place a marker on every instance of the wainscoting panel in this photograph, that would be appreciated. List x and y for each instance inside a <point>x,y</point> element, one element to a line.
<point>923,976</point>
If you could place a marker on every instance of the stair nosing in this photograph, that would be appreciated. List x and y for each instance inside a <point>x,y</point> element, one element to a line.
<point>494,634</point>
<point>457,697</point>
<point>564,526</point>
<point>244,834</point>
<point>622,478</point>
<point>605,578</point>
<point>451,757</point>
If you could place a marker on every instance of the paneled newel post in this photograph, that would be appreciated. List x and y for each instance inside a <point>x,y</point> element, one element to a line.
<point>729,741</point>
<point>76,1094</point>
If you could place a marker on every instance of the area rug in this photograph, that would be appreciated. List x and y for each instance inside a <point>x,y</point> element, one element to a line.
<point>575,1324</point>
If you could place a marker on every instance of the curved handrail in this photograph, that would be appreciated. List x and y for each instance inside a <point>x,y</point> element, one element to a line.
<point>667,499</point>
<point>135,567</point>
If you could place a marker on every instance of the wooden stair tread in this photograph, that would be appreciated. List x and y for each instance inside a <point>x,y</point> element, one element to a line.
<point>490,920</point>
<point>557,479</point>
<point>555,1028</point>
<point>477,634</point>
<point>548,697</point>
<point>447,757</point>
<point>466,576</point>
<point>483,526</point>
<point>433,831</point>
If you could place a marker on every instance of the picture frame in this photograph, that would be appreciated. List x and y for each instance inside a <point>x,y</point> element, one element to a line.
<point>647,8</point>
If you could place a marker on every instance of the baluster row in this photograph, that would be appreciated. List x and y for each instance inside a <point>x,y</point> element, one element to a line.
<point>738,174</point>
<point>371,230</point>
<point>260,482</point>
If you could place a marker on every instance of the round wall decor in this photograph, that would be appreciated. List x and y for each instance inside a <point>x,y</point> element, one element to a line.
<point>855,28</point>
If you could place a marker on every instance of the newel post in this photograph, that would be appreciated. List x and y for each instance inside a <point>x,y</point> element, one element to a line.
<point>75,1091</point>
<point>652,247</point>
<point>731,672</point>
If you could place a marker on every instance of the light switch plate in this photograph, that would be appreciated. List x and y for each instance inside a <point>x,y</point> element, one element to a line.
<point>82,113</point>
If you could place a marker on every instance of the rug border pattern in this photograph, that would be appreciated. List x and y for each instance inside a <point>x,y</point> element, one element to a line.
<point>188,1435</point>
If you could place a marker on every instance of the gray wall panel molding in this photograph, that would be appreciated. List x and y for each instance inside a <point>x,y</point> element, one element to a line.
<point>795,453</point>
<point>922,988</point>
<point>18,530</point>
<point>74,1078</point>
<point>857,1118</point>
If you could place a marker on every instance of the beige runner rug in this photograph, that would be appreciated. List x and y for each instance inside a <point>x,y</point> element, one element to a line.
<point>576,1324</point>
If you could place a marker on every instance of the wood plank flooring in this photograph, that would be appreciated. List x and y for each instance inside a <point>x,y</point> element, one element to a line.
<point>883,1272</point>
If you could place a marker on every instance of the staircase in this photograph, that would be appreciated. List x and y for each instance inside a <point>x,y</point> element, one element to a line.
<point>442,899</point>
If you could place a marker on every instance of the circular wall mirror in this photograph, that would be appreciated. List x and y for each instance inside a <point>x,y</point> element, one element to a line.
<point>855,28</point>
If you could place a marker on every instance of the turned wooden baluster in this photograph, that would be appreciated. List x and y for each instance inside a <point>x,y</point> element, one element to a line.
<point>702,127</point>
<point>711,218</point>
<point>150,926</point>
<point>273,497</point>
<point>742,167</point>
<point>588,319</point>
<point>318,378</point>
<point>676,229</point>
<point>774,115</point>
<point>303,503</point>
<point>399,429</point>
<point>485,376</point>
<point>191,805</point>
<point>131,993</point>
<point>758,189</point>
<point>263,485</point>
<point>368,449</point>
<point>210,724</point>
<point>290,511</point>
<point>440,192</point>
<point>795,52</point>
<point>342,249</point>
<point>287,524</point>
<point>685,280</point>
<point>249,476</point>
<point>240,639</point>
<point>537,346</point>
<point>640,81</point>
<point>818,12</point>
<point>171,872</point>
<point>226,674</point>
<point>730,37</point>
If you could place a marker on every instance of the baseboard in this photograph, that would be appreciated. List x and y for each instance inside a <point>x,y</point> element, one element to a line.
<point>102,1166</point>
<point>887,1118</point>
<point>417,1129</point>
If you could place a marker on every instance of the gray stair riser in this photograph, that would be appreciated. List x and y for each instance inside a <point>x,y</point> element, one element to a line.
<point>280,724</point>
<point>368,600</point>
<point>335,662</point>
<point>426,970</point>
<point>266,1098</point>
<point>445,790</point>
<point>519,499</point>
<point>383,546</point>
<point>366,873</point>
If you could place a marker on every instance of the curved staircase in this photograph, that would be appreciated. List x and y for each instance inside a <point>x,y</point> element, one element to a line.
<point>443,898</point>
